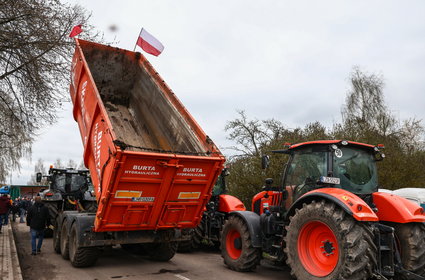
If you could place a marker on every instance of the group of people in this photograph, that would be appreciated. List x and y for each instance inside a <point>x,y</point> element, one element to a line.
<point>37,217</point>
<point>19,207</point>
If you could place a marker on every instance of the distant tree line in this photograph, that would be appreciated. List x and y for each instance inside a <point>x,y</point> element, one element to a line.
<point>365,118</point>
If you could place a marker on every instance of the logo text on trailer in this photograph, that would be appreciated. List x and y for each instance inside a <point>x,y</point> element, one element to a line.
<point>192,172</point>
<point>82,105</point>
<point>97,141</point>
<point>142,170</point>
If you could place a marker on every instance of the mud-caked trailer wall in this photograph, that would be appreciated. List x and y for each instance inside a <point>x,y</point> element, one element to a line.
<point>152,166</point>
<point>142,116</point>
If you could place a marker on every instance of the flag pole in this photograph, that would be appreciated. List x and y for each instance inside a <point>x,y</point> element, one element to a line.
<point>137,39</point>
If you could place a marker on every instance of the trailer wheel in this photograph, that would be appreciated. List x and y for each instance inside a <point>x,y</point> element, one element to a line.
<point>81,257</point>
<point>236,246</point>
<point>56,238</point>
<point>161,252</point>
<point>64,241</point>
<point>411,241</point>
<point>323,242</point>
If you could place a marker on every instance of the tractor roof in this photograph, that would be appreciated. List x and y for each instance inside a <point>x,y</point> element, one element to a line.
<point>328,142</point>
<point>323,142</point>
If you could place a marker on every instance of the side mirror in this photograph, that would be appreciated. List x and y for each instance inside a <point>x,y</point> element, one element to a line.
<point>38,177</point>
<point>265,162</point>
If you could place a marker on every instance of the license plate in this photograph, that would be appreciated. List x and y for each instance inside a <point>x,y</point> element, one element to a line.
<point>330,180</point>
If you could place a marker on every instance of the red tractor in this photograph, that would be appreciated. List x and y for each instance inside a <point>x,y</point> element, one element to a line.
<point>328,220</point>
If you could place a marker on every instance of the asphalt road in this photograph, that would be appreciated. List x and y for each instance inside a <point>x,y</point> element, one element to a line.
<point>116,263</point>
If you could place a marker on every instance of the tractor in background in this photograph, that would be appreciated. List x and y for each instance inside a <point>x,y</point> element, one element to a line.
<point>216,213</point>
<point>327,219</point>
<point>69,189</point>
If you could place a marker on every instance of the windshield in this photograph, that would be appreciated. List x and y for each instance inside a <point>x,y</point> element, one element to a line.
<point>70,182</point>
<point>357,170</point>
<point>305,169</point>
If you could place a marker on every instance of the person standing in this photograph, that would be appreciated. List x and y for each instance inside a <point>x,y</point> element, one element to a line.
<point>37,219</point>
<point>4,208</point>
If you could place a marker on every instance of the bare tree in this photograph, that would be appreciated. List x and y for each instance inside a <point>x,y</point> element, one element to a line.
<point>35,54</point>
<point>251,135</point>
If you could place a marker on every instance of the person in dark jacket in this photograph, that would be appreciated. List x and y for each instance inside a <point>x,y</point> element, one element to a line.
<point>37,219</point>
<point>4,208</point>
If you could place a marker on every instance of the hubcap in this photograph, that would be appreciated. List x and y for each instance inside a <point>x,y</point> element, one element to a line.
<point>234,244</point>
<point>318,248</point>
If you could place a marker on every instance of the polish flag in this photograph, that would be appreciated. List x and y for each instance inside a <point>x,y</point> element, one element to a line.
<point>149,43</point>
<point>75,31</point>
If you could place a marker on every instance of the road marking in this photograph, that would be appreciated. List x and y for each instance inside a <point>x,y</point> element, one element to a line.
<point>181,277</point>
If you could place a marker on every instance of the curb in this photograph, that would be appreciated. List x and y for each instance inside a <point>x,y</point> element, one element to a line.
<point>14,255</point>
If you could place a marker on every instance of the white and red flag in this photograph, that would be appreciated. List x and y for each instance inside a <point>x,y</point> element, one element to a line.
<point>149,43</point>
<point>75,31</point>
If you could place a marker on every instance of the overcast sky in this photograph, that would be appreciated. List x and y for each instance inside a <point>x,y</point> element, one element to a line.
<point>288,60</point>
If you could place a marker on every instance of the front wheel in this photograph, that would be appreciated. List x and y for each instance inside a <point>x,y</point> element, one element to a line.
<point>236,246</point>
<point>323,242</point>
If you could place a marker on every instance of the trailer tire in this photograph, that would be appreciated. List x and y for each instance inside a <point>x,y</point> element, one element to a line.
<point>161,252</point>
<point>411,241</point>
<point>236,246</point>
<point>324,242</point>
<point>64,241</point>
<point>81,256</point>
<point>56,238</point>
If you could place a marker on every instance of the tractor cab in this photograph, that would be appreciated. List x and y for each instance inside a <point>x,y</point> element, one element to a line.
<point>321,164</point>
<point>341,164</point>
<point>69,181</point>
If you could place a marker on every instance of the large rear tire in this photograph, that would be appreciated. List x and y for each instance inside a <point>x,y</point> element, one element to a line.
<point>323,242</point>
<point>53,213</point>
<point>79,256</point>
<point>411,241</point>
<point>236,246</point>
<point>161,252</point>
<point>64,241</point>
<point>56,238</point>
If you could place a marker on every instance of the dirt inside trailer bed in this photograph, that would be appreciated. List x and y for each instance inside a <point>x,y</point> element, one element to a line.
<point>141,114</point>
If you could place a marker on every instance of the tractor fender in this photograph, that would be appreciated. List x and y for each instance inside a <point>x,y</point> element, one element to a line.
<point>351,203</point>
<point>394,208</point>
<point>252,220</point>
<point>229,203</point>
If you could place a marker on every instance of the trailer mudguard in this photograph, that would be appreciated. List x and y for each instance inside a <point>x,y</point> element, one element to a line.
<point>393,208</point>
<point>252,220</point>
<point>84,222</point>
<point>351,203</point>
<point>67,217</point>
<point>229,203</point>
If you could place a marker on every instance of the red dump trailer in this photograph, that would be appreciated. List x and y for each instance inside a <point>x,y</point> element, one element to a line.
<point>151,164</point>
